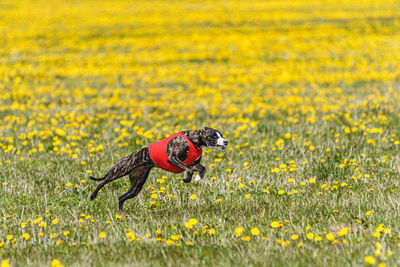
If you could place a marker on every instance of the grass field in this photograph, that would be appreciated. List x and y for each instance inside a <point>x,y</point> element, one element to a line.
<point>307,93</point>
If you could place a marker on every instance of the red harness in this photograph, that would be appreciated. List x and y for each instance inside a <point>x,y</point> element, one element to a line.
<point>158,153</point>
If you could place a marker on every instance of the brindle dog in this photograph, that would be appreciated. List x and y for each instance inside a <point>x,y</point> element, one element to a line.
<point>139,164</point>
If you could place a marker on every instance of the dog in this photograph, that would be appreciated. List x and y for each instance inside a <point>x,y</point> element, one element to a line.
<point>177,153</point>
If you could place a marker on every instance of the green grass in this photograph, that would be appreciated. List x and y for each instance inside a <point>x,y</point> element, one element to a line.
<point>306,93</point>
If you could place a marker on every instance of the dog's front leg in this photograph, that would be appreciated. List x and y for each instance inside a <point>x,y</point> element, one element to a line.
<point>196,166</point>
<point>189,175</point>
<point>202,171</point>
<point>174,160</point>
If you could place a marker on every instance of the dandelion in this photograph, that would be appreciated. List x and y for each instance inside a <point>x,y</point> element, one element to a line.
<point>310,236</point>
<point>239,231</point>
<point>376,234</point>
<point>56,263</point>
<point>255,231</point>
<point>5,263</point>
<point>131,236</point>
<point>66,233</point>
<point>246,238</point>
<point>275,224</point>
<point>176,237</point>
<point>102,235</point>
<point>193,197</point>
<point>26,236</point>
<point>369,260</point>
<point>193,221</point>
<point>188,225</point>
<point>330,236</point>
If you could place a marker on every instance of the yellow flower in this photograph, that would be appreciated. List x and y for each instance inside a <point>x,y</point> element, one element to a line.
<point>239,231</point>
<point>294,237</point>
<point>131,236</point>
<point>5,263</point>
<point>66,233</point>
<point>330,236</point>
<point>246,238</point>
<point>211,231</point>
<point>176,237</point>
<point>56,263</point>
<point>9,237</point>
<point>155,196</point>
<point>254,231</point>
<point>275,224</point>
<point>376,234</point>
<point>369,259</point>
<point>247,196</point>
<point>193,197</point>
<point>310,236</point>
<point>193,221</point>
<point>318,238</point>
<point>102,235</point>
<point>369,213</point>
<point>26,236</point>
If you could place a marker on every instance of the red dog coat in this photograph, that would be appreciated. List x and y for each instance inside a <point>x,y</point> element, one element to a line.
<point>158,153</point>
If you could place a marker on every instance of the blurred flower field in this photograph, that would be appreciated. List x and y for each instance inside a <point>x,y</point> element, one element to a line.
<point>306,92</point>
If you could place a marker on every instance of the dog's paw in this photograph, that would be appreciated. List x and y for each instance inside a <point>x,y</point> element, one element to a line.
<point>197,178</point>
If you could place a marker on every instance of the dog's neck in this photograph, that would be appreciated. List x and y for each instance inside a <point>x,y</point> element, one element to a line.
<point>196,137</point>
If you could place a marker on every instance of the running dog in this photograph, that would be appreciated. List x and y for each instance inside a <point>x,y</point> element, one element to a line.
<point>178,153</point>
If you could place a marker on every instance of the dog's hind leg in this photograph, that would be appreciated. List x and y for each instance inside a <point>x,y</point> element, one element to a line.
<point>137,177</point>
<point>121,168</point>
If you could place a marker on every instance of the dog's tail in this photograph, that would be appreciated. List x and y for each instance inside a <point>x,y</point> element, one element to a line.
<point>123,167</point>
<point>97,179</point>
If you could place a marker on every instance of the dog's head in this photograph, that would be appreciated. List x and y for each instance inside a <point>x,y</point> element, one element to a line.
<point>214,139</point>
